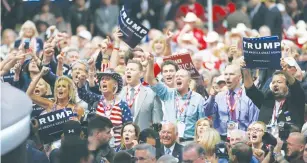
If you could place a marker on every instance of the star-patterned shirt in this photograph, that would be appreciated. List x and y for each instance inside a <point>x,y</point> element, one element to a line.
<point>120,113</point>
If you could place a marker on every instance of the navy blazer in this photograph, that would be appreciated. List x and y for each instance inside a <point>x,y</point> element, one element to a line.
<point>177,152</point>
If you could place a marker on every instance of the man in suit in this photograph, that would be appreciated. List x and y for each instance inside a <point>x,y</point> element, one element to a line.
<point>239,16</point>
<point>145,106</point>
<point>168,137</point>
<point>273,18</point>
<point>257,14</point>
<point>106,18</point>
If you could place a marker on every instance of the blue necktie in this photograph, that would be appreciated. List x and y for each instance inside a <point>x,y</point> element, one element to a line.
<point>168,151</point>
<point>232,102</point>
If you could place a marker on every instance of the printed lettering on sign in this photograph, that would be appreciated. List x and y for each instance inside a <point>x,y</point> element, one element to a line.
<point>51,124</point>
<point>263,52</point>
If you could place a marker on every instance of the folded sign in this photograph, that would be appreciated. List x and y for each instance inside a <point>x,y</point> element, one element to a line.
<point>263,52</point>
<point>133,31</point>
<point>51,124</point>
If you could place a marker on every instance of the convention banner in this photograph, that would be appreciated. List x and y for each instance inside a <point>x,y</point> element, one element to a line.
<point>51,124</point>
<point>262,53</point>
<point>133,31</point>
<point>184,61</point>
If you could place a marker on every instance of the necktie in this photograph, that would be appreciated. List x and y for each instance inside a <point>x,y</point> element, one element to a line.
<point>232,102</point>
<point>132,90</point>
<point>168,151</point>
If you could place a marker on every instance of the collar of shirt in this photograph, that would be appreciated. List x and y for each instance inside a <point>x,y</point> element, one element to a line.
<point>171,148</point>
<point>236,91</point>
<point>184,97</point>
<point>135,88</point>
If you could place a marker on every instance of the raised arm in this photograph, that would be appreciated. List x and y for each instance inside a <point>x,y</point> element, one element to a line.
<point>116,45</point>
<point>251,91</point>
<point>43,102</point>
<point>91,72</point>
<point>84,94</point>
<point>150,75</point>
<point>59,70</point>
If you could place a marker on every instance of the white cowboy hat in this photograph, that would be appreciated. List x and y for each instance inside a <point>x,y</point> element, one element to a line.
<point>190,17</point>
<point>85,34</point>
<point>301,25</point>
<point>212,37</point>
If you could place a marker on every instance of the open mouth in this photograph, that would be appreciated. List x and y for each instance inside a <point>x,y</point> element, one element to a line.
<point>179,83</point>
<point>104,86</point>
<point>275,89</point>
<point>254,137</point>
<point>61,93</point>
<point>128,76</point>
<point>37,92</point>
<point>169,78</point>
<point>126,138</point>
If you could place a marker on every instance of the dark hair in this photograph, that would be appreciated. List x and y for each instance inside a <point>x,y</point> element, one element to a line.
<point>240,4</point>
<point>136,130</point>
<point>73,150</point>
<point>243,152</point>
<point>169,62</point>
<point>136,62</point>
<point>282,73</point>
<point>200,150</point>
<point>123,157</point>
<point>99,123</point>
<point>149,133</point>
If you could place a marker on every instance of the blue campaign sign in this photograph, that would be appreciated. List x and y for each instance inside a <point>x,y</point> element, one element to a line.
<point>133,31</point>
<point>51,124</point>
<point>262,53</point>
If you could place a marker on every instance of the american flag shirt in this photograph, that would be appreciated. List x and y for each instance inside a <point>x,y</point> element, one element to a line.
<point>120,114</point>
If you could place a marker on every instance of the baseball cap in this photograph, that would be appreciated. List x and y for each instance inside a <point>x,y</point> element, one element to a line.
<point>72,128</point>
<point>85,34</point>
<point>291,62</point>
<point>219,79</point>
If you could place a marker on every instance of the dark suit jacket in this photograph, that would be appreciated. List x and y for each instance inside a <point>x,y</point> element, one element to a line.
<point>273,20</point>
<point>177,152</point>
<point>258,19</point>
<point>295,104</point>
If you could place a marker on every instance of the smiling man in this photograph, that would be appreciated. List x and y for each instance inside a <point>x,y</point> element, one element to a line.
<point>168,71</point>
<point>168,137</point>
<point>183,106</point>
<point>231,107</point>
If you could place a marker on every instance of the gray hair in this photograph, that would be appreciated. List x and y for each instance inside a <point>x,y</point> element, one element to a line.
<point>241,133</point>
<point>199,149</point>
<point>149,148</point>
<point>168,159</point>
<point>83,62</point>
<point>170,123</point>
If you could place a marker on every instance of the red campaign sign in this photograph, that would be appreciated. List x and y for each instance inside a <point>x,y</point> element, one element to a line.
<point>184,61</point>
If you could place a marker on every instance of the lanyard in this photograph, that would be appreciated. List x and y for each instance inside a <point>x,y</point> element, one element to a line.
<point>180,109</point>
<point>276,110</point>
<point>107,108</point>
<point>129,101</point>
<point>232,108</point>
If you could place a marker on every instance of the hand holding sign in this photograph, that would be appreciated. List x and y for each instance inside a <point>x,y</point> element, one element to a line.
<point>117,34</point>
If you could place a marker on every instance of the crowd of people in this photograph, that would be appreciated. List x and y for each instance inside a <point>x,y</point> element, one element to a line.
<point>130,104</point>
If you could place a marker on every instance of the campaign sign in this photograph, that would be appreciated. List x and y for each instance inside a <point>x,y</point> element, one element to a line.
<point>51,124</point>
<point>262,53</point>
<point>184,61</point>
<point>133,32</point>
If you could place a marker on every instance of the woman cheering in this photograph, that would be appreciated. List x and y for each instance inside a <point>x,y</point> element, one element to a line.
<point>107,104</point>
<point>64,95</point>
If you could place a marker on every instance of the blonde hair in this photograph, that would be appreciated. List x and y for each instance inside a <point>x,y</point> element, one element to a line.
<point>262,124</point>
<point>30,24</point>
<point>47,86</point>
<point>200,121</point>
<point>159,39</point>
<point>209,139</point>
<point>71,89</point>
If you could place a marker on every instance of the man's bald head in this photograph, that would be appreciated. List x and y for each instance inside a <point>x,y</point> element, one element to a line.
<point>184,72</point>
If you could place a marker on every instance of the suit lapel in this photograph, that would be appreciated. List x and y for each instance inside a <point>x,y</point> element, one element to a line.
<point>176,151</point>
<point>140,100</point>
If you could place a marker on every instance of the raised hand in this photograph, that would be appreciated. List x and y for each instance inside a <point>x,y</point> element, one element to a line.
<point>60,58</point>
<point>169,35</point>
<point>117,34</point>
<point>44,71</point>
<point>81,80</point>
